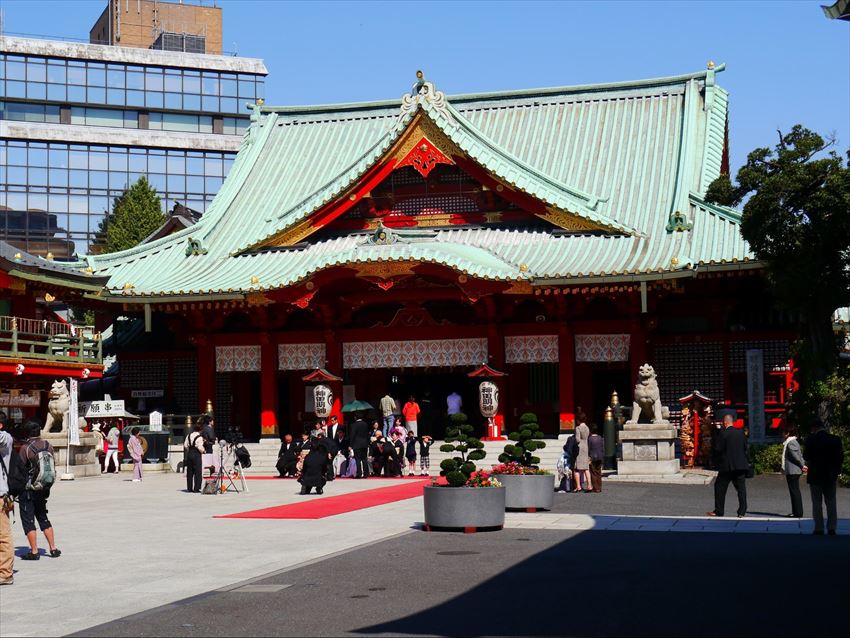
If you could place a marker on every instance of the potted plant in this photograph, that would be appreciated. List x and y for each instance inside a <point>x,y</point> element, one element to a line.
<point>527,487</point>
<point>470,500</point>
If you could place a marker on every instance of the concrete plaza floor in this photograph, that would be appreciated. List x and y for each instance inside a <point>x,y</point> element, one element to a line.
<point>149,547</point>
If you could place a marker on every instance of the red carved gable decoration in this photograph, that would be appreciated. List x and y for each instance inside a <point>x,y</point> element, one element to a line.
<point>424,156</point>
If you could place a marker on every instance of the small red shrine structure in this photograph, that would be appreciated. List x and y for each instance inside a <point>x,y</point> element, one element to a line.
<point>557,234</point>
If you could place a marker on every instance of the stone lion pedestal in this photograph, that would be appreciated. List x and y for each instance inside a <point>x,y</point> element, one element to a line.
<point>83,457</point>
<point>648,440</point>
<point>648,449</point>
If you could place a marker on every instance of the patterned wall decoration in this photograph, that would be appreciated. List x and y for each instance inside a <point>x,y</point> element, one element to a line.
<point>776,354</point>
<point>602,347</point>
<point>300,356</point>
<point>237,358</point>
<point>414,354</point>
<point>683,368</point>
<point>144,374</point>
<point>531,349</point>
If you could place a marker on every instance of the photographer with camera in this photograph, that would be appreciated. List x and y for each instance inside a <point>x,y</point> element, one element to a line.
<point>194,449</point>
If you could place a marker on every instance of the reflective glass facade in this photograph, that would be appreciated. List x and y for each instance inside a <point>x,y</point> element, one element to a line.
<point>55,193</point>
<point>152,87</point>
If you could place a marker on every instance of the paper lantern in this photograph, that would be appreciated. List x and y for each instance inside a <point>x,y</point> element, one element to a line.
<point>488,399</point>
<point>323,400</point>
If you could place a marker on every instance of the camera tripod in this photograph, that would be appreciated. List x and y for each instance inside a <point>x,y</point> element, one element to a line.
<point>223,478</point>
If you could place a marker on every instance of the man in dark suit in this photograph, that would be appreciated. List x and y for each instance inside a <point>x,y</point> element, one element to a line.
<point>359,439</point>
<point>333,426</point>
<point>732,465</point>
<point>824,455</point>
<point>287,457</point>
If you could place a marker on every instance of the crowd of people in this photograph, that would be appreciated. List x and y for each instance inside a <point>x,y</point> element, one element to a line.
<point>580,466</point>
<point>358,450</point>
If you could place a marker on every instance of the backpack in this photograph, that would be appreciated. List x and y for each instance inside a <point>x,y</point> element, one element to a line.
<point>243,457</point>
<point>42,474</point>
<point>16,474</point>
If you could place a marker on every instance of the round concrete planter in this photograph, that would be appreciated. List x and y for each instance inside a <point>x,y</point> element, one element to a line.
<point>528,491</point>
<point>466,508</point>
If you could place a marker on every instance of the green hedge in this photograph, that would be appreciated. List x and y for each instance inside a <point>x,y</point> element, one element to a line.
<point>766,458</point>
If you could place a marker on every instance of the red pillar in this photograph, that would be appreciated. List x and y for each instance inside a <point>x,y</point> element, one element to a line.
<point>333,355</point>
<point>566,373</point>
<point>206,373</point>
<point>268,388</point>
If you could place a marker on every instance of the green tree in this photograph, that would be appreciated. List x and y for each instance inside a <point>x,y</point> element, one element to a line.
<point>136,213</point>
<point>796,218</point>
<point>458,468</point>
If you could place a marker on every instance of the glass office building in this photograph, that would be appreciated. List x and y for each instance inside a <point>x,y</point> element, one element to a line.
<point>81,122</point>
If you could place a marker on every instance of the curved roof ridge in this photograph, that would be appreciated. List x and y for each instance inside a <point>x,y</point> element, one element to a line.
<point>497,95</point>
<point>585,202</point>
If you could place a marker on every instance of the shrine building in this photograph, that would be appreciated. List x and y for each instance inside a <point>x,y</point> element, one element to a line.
<point>558,235</point>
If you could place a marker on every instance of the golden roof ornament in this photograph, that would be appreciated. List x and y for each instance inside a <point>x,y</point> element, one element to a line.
<point>674,261</point>
<point>254,280</point>
<point>49,257</point>
<point>48,297</point>
<point>523,267</point>
<point>18,256</point>
<point>128,285</point>
<point>710,65</point>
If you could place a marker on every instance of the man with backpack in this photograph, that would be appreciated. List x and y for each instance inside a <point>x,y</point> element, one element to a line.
<point>36,454</point>
<point>7,548</point>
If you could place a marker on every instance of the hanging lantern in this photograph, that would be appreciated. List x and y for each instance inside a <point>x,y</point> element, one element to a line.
<point>323,400</point>
<point>488,399</point>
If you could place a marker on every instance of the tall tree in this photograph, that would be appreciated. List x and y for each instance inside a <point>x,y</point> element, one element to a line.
<point>796,219</point>
<point>136,213</point>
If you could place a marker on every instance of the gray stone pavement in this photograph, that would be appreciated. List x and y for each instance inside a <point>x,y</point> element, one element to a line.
<point>129,548</point>
<point>767,495</point>
<point>533,583</point>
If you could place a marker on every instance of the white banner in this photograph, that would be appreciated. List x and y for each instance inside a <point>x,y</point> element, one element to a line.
<point>155,421</point>
<point>103,409</point>
<point>72,415</point>
<point>755,394</point>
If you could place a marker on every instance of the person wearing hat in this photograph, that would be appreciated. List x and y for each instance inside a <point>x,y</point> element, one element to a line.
<point>824,455</point>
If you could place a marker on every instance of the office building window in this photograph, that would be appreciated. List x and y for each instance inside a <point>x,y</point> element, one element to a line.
<point>78,82</point>
<point>23,112</point>
<point>56,195</point>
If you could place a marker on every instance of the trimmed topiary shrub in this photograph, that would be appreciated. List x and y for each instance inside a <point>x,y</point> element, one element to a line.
<point>468,449</point>
<point>525,441</point>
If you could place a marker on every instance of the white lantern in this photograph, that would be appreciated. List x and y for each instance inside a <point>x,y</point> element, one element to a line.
<point>323,400</point>
<point>488,399</point>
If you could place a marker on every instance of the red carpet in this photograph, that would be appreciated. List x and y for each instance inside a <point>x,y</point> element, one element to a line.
<point>313,507</point>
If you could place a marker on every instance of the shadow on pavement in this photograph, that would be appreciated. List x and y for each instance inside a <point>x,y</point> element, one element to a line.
<point>642,583</point>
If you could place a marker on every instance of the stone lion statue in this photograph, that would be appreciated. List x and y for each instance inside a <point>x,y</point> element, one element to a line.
<point>58,404</point>
<point>647,399</point>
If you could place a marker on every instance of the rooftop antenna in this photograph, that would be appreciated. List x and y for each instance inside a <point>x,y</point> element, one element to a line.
<point>235,49</point>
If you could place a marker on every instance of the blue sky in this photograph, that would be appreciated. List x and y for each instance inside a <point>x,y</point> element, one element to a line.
<point>786,63</point>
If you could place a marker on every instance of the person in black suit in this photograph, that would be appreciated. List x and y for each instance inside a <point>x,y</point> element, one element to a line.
<point>732,465</point>
<point>333,427</point>
<point>359,440</point>
<point>824,455</point>
<point>287,457</point>
<point>315,467</point>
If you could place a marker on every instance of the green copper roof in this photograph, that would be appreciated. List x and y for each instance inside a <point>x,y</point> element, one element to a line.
<point>626,156</point>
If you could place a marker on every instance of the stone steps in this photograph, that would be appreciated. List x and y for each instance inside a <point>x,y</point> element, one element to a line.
<point>264,455</point>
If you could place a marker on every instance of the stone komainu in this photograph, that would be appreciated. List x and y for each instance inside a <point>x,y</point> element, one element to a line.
<point>59,401</point>
<point>647,406</point>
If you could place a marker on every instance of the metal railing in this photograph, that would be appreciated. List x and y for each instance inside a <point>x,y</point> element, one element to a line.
<point>21,337</point>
